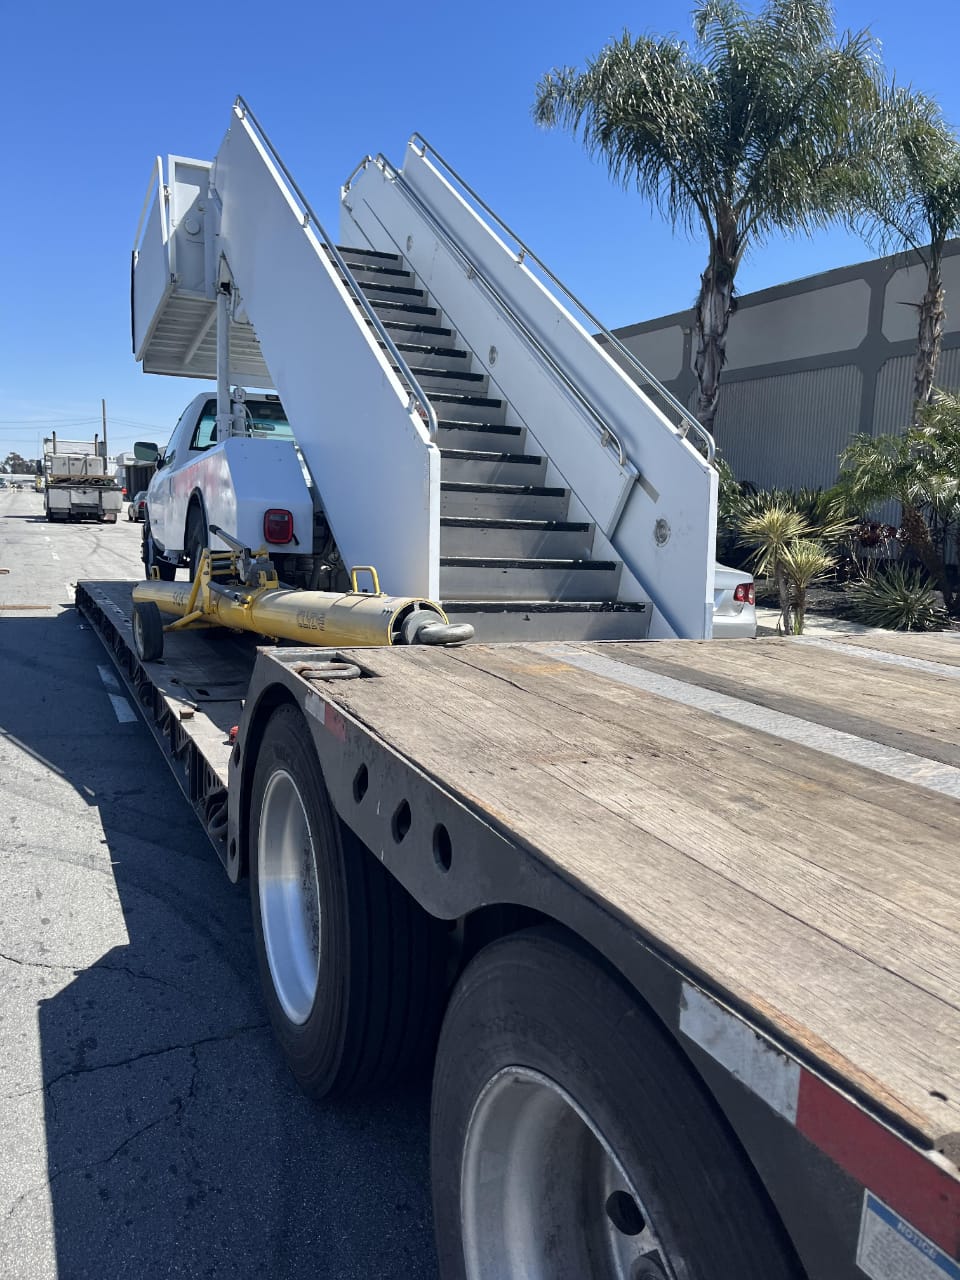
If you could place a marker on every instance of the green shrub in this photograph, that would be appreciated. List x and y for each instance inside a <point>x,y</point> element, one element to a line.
<point>898,599</point>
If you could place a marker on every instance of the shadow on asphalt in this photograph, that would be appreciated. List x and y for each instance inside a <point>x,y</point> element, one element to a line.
<point>177,1143</point>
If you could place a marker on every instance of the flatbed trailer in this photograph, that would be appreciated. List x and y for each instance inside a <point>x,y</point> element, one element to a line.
<point>755,842</point>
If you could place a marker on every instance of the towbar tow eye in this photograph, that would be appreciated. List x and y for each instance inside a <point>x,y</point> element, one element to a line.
<point>419,629</point>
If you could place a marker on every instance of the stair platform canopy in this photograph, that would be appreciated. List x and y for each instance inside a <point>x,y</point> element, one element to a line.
<point>464,431</point>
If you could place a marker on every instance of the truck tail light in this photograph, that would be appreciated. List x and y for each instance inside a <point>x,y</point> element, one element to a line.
<point>278,525</point>
<point>745,593</point>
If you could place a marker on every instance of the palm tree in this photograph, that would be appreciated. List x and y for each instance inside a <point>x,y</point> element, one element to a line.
<point>746,134</point>
<point>921,470</point>
<point>914,203</point>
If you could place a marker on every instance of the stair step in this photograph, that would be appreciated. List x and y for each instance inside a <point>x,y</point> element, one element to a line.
<point>502,501</point>
<point>479,435</point>
<point>428,330</point>
<point>543,539</point>
<point>381,290</point>
<point>432,358</point>
<point>490,455</point>
<point>377,272</point>
<point>529,578</point>
<point>345,251</point>
<point>518,620</point>
<point>395,309</point>
<point>475,466</point>
<point>446,375</point>
<point>458,406</point>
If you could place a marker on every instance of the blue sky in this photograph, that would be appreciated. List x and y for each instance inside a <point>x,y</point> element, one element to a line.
<point>92,93</point>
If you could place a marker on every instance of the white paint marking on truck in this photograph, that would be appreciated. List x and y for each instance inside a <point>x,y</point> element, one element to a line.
<point>55,556</point>
<point>763,1069</point>
<point>880,655</point>
<point>889,761</point>
<point>890,1249</point>
<point>121,707</point>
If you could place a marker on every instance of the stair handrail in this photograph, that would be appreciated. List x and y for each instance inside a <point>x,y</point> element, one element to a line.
<point>607,436</point>
<point>417,396</point>
<point>688,423</point>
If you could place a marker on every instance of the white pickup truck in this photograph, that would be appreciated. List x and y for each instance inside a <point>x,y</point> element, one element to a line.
<point>206,477</point>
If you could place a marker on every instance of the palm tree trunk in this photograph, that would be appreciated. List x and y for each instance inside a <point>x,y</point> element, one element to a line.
<point>916,535</point>
<point>930,332</point>
<point>714,305</point>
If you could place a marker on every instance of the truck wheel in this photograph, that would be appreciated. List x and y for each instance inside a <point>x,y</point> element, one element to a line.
<point>570,1139</point>
<point>147,631</point>
<point>196,539</point>
<point>352,969</point>
<point>166,570</point>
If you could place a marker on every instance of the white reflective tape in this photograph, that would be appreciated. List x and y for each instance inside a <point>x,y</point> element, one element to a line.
<point>767,1072</point>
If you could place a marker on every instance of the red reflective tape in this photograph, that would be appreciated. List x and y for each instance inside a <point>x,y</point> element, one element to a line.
<point>926,1195</point>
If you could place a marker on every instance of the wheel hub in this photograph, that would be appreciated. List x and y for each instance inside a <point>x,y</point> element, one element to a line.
<point>542,1194</point>
<point>289,897</point>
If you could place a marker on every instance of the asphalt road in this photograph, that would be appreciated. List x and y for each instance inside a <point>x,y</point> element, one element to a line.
<point>148,1125</point>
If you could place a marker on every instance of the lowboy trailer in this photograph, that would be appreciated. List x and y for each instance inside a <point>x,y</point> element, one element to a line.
<point>676,926</point>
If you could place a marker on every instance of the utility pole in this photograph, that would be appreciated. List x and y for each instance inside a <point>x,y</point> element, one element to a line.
<point>103,414</point>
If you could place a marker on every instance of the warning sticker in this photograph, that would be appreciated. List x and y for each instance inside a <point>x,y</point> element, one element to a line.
<point>890,1249</point>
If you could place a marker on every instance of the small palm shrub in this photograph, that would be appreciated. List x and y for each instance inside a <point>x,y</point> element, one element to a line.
<point>899,600</point>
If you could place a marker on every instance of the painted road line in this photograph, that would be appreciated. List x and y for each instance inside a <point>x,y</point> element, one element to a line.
<point>889,761</point>
<point>121,707</point>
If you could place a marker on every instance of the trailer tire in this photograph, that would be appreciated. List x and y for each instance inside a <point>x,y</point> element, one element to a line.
<point>352,969</point>
<point>570,1137</point>
<point>147,631</point>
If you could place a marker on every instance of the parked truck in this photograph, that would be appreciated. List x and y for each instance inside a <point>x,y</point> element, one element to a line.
<point>673,925</point>
<point>76,481</point>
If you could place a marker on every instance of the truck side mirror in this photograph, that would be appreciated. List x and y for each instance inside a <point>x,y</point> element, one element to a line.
<point>145,451</point>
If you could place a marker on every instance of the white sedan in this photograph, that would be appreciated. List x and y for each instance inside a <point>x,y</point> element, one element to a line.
<point>734,598</point>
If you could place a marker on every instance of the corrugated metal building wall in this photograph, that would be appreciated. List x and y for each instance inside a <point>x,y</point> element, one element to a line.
<point>810,364</point>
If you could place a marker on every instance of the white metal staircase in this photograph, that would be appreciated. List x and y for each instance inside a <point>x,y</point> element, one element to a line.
<point>466,434</point>
<point>512,562</point>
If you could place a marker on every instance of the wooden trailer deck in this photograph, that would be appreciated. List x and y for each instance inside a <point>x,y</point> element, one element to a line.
<point>782,816</point>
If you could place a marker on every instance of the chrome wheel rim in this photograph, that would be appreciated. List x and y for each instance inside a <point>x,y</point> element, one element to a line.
<point>289,897</point>
<point>542,1194</point>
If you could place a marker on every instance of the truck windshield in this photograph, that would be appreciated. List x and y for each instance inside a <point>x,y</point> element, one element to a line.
<point>265,419</point>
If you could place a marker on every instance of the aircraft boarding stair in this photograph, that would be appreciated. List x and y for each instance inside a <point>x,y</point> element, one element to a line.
<point>465,433</point>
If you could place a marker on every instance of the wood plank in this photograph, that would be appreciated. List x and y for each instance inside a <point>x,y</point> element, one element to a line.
<point>935,646</point>
<point>762,791</point>
<point>922,721</point>
<point>724,915</point>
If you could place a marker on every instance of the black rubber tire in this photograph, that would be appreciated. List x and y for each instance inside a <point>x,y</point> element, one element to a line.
<point>165,569</point>
<point>377,1010</point>
<point>537,1000</point>
<point>195,539</point>
<point>147,631</point>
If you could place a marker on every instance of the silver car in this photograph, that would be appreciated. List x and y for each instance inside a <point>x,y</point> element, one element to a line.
<point>734,599</point>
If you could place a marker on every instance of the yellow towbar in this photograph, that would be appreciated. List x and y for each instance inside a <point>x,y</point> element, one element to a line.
<point>240,589</point>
